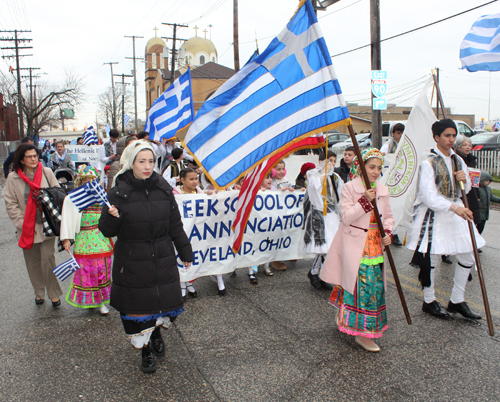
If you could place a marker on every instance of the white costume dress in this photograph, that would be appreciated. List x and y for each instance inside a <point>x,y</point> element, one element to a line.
<point>315,222</point>
<point>450,232</point>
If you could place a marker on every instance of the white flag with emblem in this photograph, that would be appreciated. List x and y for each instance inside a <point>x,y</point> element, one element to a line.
<point>401,177</point>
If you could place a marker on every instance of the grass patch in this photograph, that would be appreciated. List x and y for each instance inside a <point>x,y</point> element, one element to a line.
<point>495,178</point>
<point>496,192</point>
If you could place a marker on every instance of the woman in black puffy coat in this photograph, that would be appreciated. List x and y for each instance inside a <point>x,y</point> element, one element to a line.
<point>144,216</point>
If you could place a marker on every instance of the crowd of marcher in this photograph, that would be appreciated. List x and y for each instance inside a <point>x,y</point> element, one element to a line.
<point>138,274</point>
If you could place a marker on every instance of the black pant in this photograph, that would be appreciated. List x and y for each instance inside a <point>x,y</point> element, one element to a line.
<point>480,226</point>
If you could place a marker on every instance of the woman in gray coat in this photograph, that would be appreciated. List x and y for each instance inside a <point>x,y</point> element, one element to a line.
<point>60,159</point>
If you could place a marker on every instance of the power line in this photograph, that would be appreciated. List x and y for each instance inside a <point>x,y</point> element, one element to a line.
<point>416,29</point>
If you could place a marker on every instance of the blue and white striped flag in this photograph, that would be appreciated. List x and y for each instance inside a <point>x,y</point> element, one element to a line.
<point>90,137</point>
<point>497,125</point>
<point>172,111</point>
<point>65,269</point>
<point>74,141</point>
<point>89,194</point>
<point>50,164</point>
<point>107,129</point>
<point>289,92</point>
<point>480,49</point>
<point>126,119</point>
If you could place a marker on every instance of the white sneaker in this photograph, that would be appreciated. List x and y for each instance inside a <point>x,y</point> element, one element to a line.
<point>267,270</point>
<point>104,310</point>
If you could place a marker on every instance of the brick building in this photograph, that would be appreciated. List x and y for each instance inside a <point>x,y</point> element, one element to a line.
<point>9,129</point>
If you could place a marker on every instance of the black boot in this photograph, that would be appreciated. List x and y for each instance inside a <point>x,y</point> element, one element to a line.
<point>434,309</point>
<point>325,285</point>
<point>446,259</point>
<point>157,344</point>
<point>396,242</point>
<point>315,281</point>
<point>462,309</point>
<point>148,360</point>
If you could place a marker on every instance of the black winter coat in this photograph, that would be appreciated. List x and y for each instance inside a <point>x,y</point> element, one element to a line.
<point>473,195</point>
<point>145,273</point>
<point>343,170</point>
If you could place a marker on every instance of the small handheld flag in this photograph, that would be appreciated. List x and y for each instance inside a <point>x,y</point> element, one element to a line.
<point>126,120</point>
<point>89,194</point>
<point>90,137</point>
<point>64,270</point>
<point>172,111</point>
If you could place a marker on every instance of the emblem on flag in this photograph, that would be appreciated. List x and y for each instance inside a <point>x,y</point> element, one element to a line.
<point>289,92</point>
<point>90,137</point>
<point>64,270</point>
<point>480,49</point>
<point>172,111</point>
<point>89,194</point>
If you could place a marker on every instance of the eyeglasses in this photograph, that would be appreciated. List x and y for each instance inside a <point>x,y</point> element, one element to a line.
<point>30,156</point>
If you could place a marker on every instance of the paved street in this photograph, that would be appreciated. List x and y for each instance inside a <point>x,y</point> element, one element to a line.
<point>274,341</point>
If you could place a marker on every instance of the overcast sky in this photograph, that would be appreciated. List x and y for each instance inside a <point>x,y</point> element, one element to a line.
<point>83,35</point>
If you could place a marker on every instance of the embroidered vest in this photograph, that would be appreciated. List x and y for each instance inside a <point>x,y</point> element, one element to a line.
<point>442,178</point>
<point>175,169</point>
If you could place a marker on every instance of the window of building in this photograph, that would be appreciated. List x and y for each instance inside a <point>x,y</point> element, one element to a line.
<point>213,59</point>
<point>158,93</point>
<point>153,61</point>
<point>202,59</point>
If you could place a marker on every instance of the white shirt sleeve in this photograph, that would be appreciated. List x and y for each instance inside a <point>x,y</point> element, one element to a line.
<point>70,220</point>
<point>102,155</point>
<point>167,175</point>
<point>160,150</point>
<point>385,148</point>
<point>427,190</point>
<point>188,156</point>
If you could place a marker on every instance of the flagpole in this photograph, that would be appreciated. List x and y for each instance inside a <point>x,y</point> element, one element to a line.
<point>489,320</point>
<point>380,224</point>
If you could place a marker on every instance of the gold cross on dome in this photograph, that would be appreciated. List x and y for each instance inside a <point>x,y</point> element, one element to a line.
<point>205,31</point>
<point>155,29</point>
<point>196,29</point>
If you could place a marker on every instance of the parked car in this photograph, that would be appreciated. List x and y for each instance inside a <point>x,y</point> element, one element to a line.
<point>464,129</point>
<point>363,140</point>
<point>335,137</point>
<point>486,142</point>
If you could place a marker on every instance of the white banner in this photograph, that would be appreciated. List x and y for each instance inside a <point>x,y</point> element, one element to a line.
<point>274,231</point>
<point>88,154</point>
<point>401,177</point>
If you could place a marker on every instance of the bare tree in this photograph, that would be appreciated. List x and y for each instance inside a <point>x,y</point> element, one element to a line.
<point>107,114</point>
<point>43,106</point>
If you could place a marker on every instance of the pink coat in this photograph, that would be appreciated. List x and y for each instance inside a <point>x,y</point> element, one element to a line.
<point>343,258</point>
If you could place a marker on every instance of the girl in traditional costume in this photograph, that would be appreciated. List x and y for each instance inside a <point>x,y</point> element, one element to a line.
<point>355,260</point>
<point>91,285</point>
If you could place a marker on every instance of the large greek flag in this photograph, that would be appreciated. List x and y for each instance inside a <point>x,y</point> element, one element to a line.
<point>287,93</point>
<point>172,111</point>
<point>480,49</point>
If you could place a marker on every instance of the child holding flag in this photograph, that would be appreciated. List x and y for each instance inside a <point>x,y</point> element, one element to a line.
<point>355,261</point>
<point>91,285</point>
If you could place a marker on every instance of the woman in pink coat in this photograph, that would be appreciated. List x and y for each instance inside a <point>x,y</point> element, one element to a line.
<point>355,259</point>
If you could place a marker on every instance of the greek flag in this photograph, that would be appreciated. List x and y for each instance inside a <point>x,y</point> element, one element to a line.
<point>172,111</point>
<point>65,269</point>
<point>107,129</point>
<point>480,49</point>
<point>289,92</point>
<point>74,141</point>
<point>90,137</point>
<point>89,194</point>
<point>497,125</point>
<point>126,119</point>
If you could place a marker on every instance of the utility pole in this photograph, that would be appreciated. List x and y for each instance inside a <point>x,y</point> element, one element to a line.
<point>31,76</point>
<point>236,44</point>
<point>123,99</point>
<point>376,65</point>
<point>16,47</point>
<point>135,76</point>
<point>113,116</point>
<point>174,50</point>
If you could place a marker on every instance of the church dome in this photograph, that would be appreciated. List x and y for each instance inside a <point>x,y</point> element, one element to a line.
<point>197,44</point>
<point>155,41</point>
<point>199,51</point>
